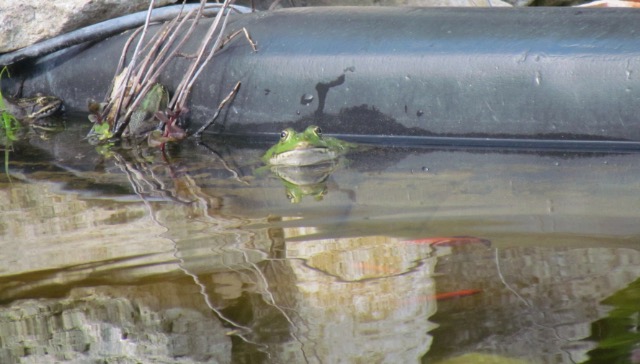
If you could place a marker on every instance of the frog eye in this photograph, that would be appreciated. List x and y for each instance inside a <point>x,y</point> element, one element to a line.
<point>318,131</point>
<point>284,134</point>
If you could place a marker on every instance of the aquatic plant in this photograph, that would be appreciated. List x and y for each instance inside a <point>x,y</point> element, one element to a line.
<point>617,333</point>
<point>132,83</point>
<point>9,125</point>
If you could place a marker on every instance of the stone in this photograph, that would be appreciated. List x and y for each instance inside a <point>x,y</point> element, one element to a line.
<point>26,22</point>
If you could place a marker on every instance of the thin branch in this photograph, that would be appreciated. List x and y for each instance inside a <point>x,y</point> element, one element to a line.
<point>187,81</point>
<point>132,63</point>
<point>229,97</point>
<point>151,80</point>
<point>123,56</point>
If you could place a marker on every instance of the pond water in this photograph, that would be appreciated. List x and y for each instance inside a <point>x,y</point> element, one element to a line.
<point>392,255</point>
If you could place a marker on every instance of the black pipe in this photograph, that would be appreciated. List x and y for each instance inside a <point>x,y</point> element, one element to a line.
<point>107,28</point>
<point>558,74</point>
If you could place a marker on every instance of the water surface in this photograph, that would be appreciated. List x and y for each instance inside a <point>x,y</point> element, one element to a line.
<point>393,255</point>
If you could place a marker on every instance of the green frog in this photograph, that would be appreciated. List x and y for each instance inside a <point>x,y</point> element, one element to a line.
<point>29,109</point>
<point>36,112</point>
<point>143,119</point>
<point>304,149</point>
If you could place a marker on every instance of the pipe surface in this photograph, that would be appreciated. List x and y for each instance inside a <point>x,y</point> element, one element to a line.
<point>414,73</point>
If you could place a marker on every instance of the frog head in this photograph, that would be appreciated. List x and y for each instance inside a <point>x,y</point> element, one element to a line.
<point>44,106</point>
<point>32,108</point>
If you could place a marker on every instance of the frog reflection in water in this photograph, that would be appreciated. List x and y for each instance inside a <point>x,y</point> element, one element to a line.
<point>35,111</point>
<point>304,149</point>
<point>300,181</point>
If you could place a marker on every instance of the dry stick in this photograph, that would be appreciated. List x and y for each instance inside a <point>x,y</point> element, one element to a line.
<point>152,74</point>
<point>172,38</point>
<point>133,85</point>
<point>155,44</point>
<point>178,89</point>
<point>132,63</point>
<point>244,30</point>
<point>184,86</point>
<point>171,29</point>
<point>109,98</point>
<point>155,75</point>
<point>185,79</point>
<point>185,94</point>
<point>121,92</point>
<point>152,48</point>
<point>157,69</point>
<point>149,81</point>
<point>120,65</point>
<point>127,45</point>
<point>110,91</point>
<point>234,91</point>
<point>163,44</point>
<point>219,45</point>
<point>229,97</point>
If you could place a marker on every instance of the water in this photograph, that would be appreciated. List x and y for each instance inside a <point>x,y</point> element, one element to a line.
<point>394,255</point>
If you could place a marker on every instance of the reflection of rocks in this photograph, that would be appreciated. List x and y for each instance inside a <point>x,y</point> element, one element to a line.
<point>359,258</point>
<point>72,237</point>
<point>96,327</point>
<point>67,239</point>
<point>365,299</point>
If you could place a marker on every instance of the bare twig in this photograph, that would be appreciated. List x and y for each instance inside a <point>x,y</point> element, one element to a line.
<point>183,89</point>
<point>244,30</point>
<point>132,63</point>
<point>229,97</point>
<point>136,80</point>
<point>134,83</point>
<point>158,69</point>
<point>218,45</point>
<point>123,56</point>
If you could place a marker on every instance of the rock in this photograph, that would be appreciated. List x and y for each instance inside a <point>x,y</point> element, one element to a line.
<point>29,21</point>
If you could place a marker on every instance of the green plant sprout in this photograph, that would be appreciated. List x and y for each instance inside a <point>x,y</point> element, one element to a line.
<point>8,127</point>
